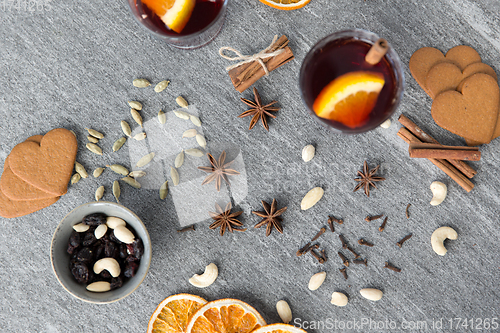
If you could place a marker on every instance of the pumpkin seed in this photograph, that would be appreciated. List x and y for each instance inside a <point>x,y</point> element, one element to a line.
<point>81,170</point>
<point>190,133</point>
<point>201,141</point>
<point>119,169</point>
<point>162,118</point>
<point>179,159</point>
<point>99,193</point>
<point>137,174</point>
<point>308,153</point>
<point>94,133</point>
<point>98,172</point>
<point>137,116</point>
<point>311,198</point>
<point>132,182</point>
<point>92,139</point>
<point>182,102</point>
<point>135,105</point>
<point>194,152</point>
<point>145,160</point>
<point>161,86</point>
<point>164,190</point>
<point>76,178</point>
<point>116,190</point>
<point>174,175</point>
<point>182,114</point>
<point>140,136</point>
<point>141,83</point>
<point>195,120</point>
<point>94,148</point>
<point>126,128</point>
<point>119,143</point>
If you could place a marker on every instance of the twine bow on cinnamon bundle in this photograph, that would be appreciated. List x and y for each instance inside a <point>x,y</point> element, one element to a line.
<point>251,68</point>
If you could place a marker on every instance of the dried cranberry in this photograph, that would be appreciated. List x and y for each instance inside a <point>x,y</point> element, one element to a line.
<point>111,250</point>
<point>116,282</point>
<point>131,258</point>
<point>74,239</point>
<point>80,272</point>
<point>85,255</point>
<point>138,248</point>
<point>123,251</point>
<point>89,238</point>
<point>130,269</point>
<point>105,274</point>
<point>94,219</point>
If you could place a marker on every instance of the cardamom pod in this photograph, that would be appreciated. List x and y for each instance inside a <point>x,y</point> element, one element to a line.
<point>94,133</point>
<point>194,152</point>
<point>182,114</point>
<point>119,169</point>
<point>182,102</point>
<point>162,118</point>
<point>132,182</point>
<point>99,193</point>
<point>161,86</point>
<point>119,143</point>
<point>137,116</point>
<point>135,105</point>
<point>179,159</point>
<point>164,190</point>
<point>98,172</point>
<point>141,83</point>
<point>81,170</point>
<point>137,174</point>
<point>116,190</point>
<point>145,160</point>
<point>76,178</point>
<point>92,139</point>
<point>140,136</point>
<point>94,148</point>
<point>174,175</point>
<point>201,140</point>
<point>190,133</point>
<point>195,120</point>
<point>126,128</point>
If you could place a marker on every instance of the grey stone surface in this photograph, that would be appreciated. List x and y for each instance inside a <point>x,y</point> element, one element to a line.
<point>72,66</point>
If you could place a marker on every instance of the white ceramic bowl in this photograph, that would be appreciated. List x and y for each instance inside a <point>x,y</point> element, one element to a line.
<point>60,258</point>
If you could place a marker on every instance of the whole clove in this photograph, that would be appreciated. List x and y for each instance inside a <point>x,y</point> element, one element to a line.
<point>372,218</point>
<point>303,249</point>
<point>323,255</point>
<point>334,219</point>
<point>317,256</point>
<point>382,226</point>
<point>353,252</point>
<point>320,232</point>
<point>407,212</point>
<point>191,227</point>
<point>361,261</point>
<point>344,243</point>
<point>344,273</point>
<point>344,259</point>
<point>400,243</point>
<point>364,242</point>
<point>330,224</point>
<point>391,267</point>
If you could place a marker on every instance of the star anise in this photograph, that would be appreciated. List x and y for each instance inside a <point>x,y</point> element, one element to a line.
<point>271,217</point>
<point>218,170</point>
<point>225,219</point>
<point>367,178</point>
<point>258,110</point>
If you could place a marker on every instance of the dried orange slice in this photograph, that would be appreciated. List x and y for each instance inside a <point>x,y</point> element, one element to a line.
<point>225,315</point>
<point>350,98</point>
<point>286,4</point>
<point>173,313</point>
<point>174,13</point>
<point>279,328</point>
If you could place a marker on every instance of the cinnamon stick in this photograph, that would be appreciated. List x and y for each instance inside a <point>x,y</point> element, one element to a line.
<point>444,165</point>
<point>424,137</point>
<point>247,74</point>
<point>377,52</point>
<point>432,150</point>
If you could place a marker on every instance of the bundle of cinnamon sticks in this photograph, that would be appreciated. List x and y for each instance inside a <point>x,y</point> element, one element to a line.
<point>447,158</point>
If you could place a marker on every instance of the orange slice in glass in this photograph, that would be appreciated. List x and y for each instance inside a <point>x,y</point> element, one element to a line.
<point>279,328</point>
<point>225,315</point>
<point>350,98</point>
<point>173,313</point>
<point>286,4</point>
<point>174,13</point>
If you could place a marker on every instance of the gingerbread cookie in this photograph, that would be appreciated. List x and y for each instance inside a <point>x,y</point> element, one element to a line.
<point>47,166</point>
<point>10,208</point>
<point>471,114</point>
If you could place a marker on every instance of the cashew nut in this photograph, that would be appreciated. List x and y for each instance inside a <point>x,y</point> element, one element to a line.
<point>207,278</point>
<point>114,222</point>
<point>439,192</point>
<point>339,299</point>
<point>317,280</point>
<point>438,237</point>
<point>371,294</point>
<point>284,311</point>
<point>80,227</point>
<point>99,287</point>
<point>124,235</point>
<point>109,264</point>
<point>100,231</point>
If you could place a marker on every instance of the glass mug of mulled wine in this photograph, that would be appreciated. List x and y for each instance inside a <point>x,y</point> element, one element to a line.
<point>351,81</point>
<point>185,24</point>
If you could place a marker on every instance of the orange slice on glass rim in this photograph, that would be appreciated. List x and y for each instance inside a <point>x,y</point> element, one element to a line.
<point>279,328</point>
<point>350,98</point>
<point>174,13</point>
<point>286,4</point>
<point>225,315</point>
<point>173,313</point>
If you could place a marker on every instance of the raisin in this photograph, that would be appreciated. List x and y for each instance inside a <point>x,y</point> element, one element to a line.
<point>130,269</point>
<point>74,239</point>
<point>131,258</point>
<point>123,251</point>
<point>80,272</point>
<point>98,250</point>
<point>85,255</point>
<point>71,249</point>
<point>105,274</point>
<point>116,282</point>
<point>89,238</point>
<point>138,248</point>
<point>111,250</point>
<point>94,219</point>
<point>113,238</point>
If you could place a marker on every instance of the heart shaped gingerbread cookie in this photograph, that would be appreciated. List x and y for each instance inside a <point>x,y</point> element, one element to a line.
<point>471,114</point>
<point>47,166</point>
<point>10,208</point>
